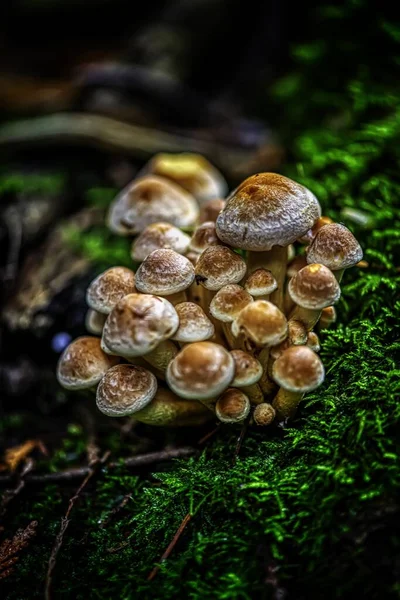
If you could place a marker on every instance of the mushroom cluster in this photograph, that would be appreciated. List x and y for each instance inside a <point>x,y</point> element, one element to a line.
<point>219,319</point>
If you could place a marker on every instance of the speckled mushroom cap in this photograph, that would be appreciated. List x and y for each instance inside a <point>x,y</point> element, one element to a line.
<point>267,209</point>
<point>298,369</point>
<point>83,364</point>
<point>210,210</point>
<point>233,406</point>
<point>109,287</point>
<point>311,233</point>
<point>194,325</point>
<point>201,370</point>
<point>228,302</point>
<point>204,236</point>
<point>151,199</point>
<point>124,390</point>
<point>264,414</point>
<point>261,322</point>
<point>335,247</point>
<point>248,369</point>
<point>218,266</point>
<point>138,323</point>
<point>191,171</point>
<point>260,282</point>
<point>164,272</point>
<point>157,236</point>
<point>314,287</point>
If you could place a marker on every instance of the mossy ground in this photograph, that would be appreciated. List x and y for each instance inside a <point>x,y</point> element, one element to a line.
<point>314,506</point>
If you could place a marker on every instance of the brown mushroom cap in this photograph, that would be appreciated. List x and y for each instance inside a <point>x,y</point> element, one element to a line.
<point>261,282</point>
<point>157,236</point>
<point>267,209</point>
<point>335,247</point>
<point>328,316</point>
<point>218,266</point>
<point>124,390</point>
<point>264,414</point>
<point>164,272</point>
<point>233,406</point>
<point>248,369</point>
<point>210,210</point>
<point>204,236</point>
<point>228,302</point>
<point>298,369</point>
<point>109,287</point>
<point>151,199</point>
<point>313,341</point>
<point>311,233</point>
<point>191,171</point>
<point>262,322</point>
<point>94,321</point>
<point>138,323</point>
<point>194,325</point>
<point>314,287</point>
<point>201,370</point>
<point>83,364</point>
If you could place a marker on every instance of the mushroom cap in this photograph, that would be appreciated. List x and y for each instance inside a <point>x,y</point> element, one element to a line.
<point>266,210</point>
<point>138,323</point>
<point>264,414</point>
<point>151,199</point>
<point>109,287</point>
<point>297,333</point>
<point>201,370</point>
<point>261,282</point>
<point>261,322</point>
<point>248,369</point>
<point>228,302</point>
<point>194,325</point>
<point>94,321</point>
<point>313,341</point>
<point>308,237</point>
<point>298,369</point>
<point>218,266</point>
<point>210,210</point>
<point>314,287</point>
<point>328,315</point>
<point>294,266</point>
<point>204,236</point>
<point>124,390</point>
<point>233,406</point>
<point>157,236</point>
<point>191,171</point>
<point>83,363</point>
<point>335,247</point>
<point>164,272</point>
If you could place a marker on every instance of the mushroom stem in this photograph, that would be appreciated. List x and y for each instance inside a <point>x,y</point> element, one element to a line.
<point>166,409</point>
<point>177,298</point>
<point>308,316</point>
<point>338,274</point>
<point>230,338</point>
<point>285,403</point>
<point>254,393</point>
<point>266,383</point>
<point>274,260</point>
<point>161,356</point>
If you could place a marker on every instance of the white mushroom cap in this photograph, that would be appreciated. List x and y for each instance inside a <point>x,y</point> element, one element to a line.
<point>94,321</point>
<point>194,325</point>
<point>261,282</point>
<point>201,370</point>
<point>83,364</point>
<point>228,302</point>
<point>219,266</point>
<point>314,287</point>
<point>138,323</point>
<point>151,199</point>
<point>157,236</point>
<point>210,210</point>
<point>335,247</point>
<point>124,390</point>
<point>233,406</point>
<point>298,369</point>
<point>109,287</point>
<point>164,272</point>
<point>261,322</point>
<point>204,236</point>
<point>248,370</point>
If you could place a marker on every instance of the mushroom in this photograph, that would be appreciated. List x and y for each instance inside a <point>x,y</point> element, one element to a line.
<point>191,171</point>
<point>157,236</point>
<point>83,363</point>
<point>313,341</point>
<point>138,324</point>
<point>260,284</point>
<point>210,210</point>
<point>335,247</point>
<point>204,236</point>
<point>312,289</point>
<point>328,316</point>
<point>233,406</point>
<point>226,305</point>
<point>248,371</point>
<point>294,266</point>
<point>297,370</point>
<point>165,273</point>
<point>151,199</point>
<point>109,287</point>
<point>201,371</point>
<point>94,321</point>
<point>265,214</point>
<point>194,325</point>
<point>311,233</point>
<point>264,414</point>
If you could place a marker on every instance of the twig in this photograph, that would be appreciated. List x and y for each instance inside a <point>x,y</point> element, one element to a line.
<point>240,440</point>
<point>116,510</point>
<point>208,435</point>
<point>10,494</point>
<point>171,546</point>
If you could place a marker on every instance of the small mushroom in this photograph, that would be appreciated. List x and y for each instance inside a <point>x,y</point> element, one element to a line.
<point>204,236</point>
<point>226,305</point>
<point>125,390</point>
<point>83,363</point>
<point>157,236</point>
<point>261,323</point>
<point>109,287</point>
<point>328,316</point>
<point>194,325</point>
<point>260,284</point>
<point>248,371</point>
<point>294,266</point>
<point>264,414</point>
<point>311,233</point>
<point>94,321</point>
<point>233,406</point>
<point>313,341</point>
<point>210,210</point>
<point>297,370</point>
<point>219,266</point>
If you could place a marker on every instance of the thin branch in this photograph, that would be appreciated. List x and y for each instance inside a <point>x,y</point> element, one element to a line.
<point>240,440</point>
<point>171,546</point>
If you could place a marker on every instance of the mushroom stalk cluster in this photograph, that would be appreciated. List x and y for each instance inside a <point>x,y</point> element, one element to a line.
<point>219,319</point>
